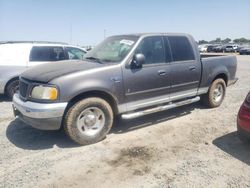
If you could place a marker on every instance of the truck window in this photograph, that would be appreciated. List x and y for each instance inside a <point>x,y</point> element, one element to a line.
<point>75,53</point>
<point>153,49</point>
<point>47,53</point>
<point>113,49</point>
<point>181,48</point>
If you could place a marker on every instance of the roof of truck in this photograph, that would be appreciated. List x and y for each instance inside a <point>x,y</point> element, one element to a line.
<point>154,33</point>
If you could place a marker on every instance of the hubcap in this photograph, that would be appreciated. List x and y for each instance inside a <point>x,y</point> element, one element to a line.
<point>218,93</point>
<point>91,121</point>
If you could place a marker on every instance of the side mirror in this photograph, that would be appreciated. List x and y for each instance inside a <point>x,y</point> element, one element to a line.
<point>138,61</point>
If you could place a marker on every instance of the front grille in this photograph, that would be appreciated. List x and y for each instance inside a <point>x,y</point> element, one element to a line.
<point>23,88</point>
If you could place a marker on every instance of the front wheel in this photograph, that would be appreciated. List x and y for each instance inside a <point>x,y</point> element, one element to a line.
<point>216,93</point>
<point>88,121</point>
<point>12,88</point>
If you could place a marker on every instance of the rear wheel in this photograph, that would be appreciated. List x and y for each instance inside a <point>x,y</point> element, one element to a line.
<point>88,121</point>
<point>216,93</point>
<point>12,88</point>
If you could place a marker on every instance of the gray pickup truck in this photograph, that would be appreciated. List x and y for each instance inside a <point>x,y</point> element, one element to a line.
<point>128,75</point>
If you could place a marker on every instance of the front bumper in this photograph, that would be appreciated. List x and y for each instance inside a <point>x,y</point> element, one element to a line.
<point>42,116</point>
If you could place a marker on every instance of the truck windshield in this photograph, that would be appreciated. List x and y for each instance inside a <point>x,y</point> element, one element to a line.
<point>113,49</point>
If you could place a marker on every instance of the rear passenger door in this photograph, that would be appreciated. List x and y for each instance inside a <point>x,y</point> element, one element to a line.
<point>185,68</point>
<point>46,54</point>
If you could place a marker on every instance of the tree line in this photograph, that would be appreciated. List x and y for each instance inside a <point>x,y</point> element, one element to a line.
<point>226,41</point>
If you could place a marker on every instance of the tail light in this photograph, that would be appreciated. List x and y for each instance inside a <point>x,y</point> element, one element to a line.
<point>244,114</point>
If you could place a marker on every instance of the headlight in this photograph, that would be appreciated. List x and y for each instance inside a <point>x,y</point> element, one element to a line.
<point>44,92</point>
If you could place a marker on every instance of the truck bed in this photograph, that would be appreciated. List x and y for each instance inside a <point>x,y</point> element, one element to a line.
<point>214,64</point>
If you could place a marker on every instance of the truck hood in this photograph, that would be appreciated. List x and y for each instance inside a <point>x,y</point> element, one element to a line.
<point>47,72</point>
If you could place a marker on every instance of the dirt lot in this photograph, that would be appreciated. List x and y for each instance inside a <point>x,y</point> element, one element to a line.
<point>186,147</point>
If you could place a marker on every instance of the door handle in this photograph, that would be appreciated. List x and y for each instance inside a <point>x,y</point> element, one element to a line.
<point>192,68</point>
<point>162,72</point>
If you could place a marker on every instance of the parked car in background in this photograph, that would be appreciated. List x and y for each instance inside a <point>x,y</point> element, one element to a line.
<point>239,48</point>
<point>220,48</point>
<point>243,120</point>
<point>127,75</point>
<point>231,48</point>
<point>16,57</point>
<point>203,47</point>
<point>245,51</point>
<point>211,48</point>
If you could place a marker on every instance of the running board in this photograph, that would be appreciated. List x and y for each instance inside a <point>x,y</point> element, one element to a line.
<point>133,115</point>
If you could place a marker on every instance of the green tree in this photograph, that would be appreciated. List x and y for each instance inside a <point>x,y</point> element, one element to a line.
<point>203,42</point>
<point>217,40</point>
<point>226,40</point>
<point>241,40</point>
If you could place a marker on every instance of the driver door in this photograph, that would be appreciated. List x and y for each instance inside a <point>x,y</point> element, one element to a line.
<point>150,84</point>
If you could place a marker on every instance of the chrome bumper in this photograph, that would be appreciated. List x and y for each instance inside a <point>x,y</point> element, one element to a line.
<point>39,115</point>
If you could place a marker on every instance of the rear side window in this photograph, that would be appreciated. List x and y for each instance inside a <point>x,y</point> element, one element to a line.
<point>47,53</point>
<point>181,48</point>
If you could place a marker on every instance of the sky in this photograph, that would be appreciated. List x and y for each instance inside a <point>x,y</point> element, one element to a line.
<point>87,22</point>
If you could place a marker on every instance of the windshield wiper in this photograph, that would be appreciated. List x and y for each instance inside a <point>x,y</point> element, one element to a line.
<point>107,60</point>
<point>94,59</point>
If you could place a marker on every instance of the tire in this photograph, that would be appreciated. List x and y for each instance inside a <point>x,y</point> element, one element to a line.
<point>11,88</point>
<point>214,98</point>
<point>88,121</point>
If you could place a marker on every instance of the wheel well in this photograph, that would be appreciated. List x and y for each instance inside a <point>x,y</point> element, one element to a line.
<point>103,95</point>
<point>222,76</point>
<point>11,80</point>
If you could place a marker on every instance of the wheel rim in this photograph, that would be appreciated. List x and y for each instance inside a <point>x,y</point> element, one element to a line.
<point>218,93</point>
<point>91,121</point>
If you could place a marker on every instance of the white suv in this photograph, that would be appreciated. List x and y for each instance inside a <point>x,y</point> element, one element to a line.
<point>231,48</point>
<point>16,57</point>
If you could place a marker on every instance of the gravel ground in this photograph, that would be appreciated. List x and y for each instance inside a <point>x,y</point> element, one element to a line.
<point>186,147</point>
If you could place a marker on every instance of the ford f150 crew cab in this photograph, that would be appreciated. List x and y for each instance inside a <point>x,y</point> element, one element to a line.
<point>127,75</point>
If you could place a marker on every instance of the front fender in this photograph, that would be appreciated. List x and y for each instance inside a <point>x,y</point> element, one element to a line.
<point>72,86</point>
